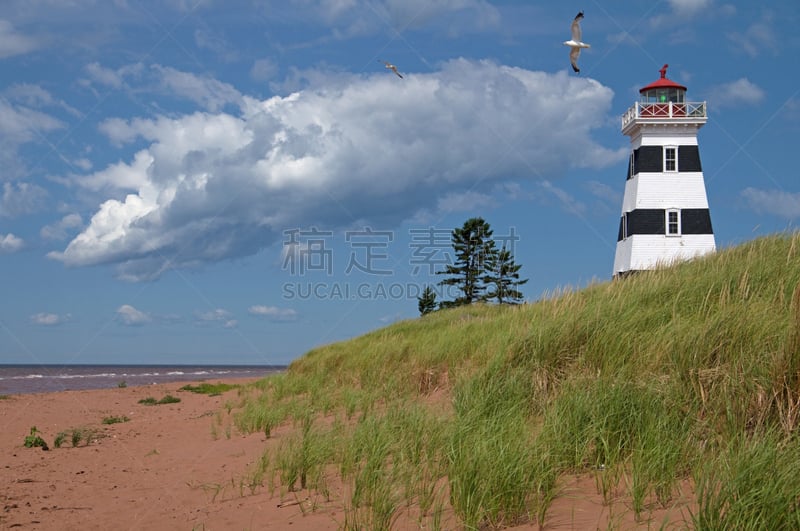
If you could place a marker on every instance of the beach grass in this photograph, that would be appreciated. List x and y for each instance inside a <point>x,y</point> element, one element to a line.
<point>167,399</point>
<point>76,436</point>
<point>206,388</point>
<point>687,374</point>
<point>115,419</point>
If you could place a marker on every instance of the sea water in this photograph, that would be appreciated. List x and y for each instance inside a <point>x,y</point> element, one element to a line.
<point>20,379</point>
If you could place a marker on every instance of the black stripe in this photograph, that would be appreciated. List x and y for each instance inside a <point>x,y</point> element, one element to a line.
<point>689,158</point>
<point>651,159</point>
<point>653,221</point>
<point>648,158</point>
<point>696,221</point>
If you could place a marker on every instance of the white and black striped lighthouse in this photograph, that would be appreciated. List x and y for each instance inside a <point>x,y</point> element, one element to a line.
<point>665,214</point>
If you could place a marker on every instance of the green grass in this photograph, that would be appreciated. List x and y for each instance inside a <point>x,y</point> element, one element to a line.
<point>5,397</point>
<point>76,436</point>
<point>115,419</point>
<point>687,373</point>
<point>34,440</point>
<point>167,399</point>
<point>206,388</point>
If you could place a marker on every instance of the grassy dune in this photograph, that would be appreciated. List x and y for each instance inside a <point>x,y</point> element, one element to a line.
<point>686,373</point>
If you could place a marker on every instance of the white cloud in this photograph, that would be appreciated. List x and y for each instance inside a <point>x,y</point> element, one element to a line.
<point>604,192</point>
<point>689,7</point>
<point>215,43</point>
<point>375,149</point>
<point>35,96</point>
<point>467,201</point>
<point>14,43</point>
<point>776,202</point>
<point>568,202</point>
<point>130,316</point>
<point>21,198</point>
<point>116,79</point>
<point>10,243</point>
<point>20,125</point>
<point>273,313</point>
<point>217,316</point>
<point>263,69</point>
<point>759,36</point>
<point>49,319</point>
<point>60,230</point>
<point>205,91</point>
<point>736,93</point>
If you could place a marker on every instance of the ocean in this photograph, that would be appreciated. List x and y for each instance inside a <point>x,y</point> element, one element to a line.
<point>21,379</point>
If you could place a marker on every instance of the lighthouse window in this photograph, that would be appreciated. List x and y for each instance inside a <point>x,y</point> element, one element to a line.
<point>673,223</point>
<point>670,159</point>
<point>631,167</point>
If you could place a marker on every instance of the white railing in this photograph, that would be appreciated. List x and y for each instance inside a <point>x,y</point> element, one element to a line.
<point>664,110</point>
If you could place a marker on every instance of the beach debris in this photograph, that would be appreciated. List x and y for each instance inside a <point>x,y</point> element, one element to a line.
<point>291,503</point>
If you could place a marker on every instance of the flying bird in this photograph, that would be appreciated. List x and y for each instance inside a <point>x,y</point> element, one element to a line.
<point>391,67</point>
<point>575,43</point>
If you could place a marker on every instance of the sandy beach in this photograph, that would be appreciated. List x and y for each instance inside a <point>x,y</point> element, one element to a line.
<point>185,466</point>
<point>168,467</point>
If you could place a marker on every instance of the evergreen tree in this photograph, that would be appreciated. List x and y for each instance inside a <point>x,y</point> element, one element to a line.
<point>427,302</point>
<point>473,247</point>
<point>502,274</point>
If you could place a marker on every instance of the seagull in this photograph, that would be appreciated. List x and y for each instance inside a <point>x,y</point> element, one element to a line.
<point>575,43</point>
<point>391,67</point>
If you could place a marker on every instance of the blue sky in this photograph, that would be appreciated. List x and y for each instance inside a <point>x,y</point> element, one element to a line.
<point>199,181</point>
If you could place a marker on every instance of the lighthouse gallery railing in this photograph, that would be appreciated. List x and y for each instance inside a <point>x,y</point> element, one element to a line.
<point>664,110</point>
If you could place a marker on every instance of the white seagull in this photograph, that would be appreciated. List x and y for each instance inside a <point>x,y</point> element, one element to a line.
<point>391,67</point>
<point>575,43</point>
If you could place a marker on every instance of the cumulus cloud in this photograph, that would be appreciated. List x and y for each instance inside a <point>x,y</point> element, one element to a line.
<point>13,42</point>
<point>359,149</point>
<point>60,229</point>
<point>736,93</point>
<point>130,316</point>
<point>216,316</point>
<point>776,202</point>
<point>49,319</point>
<point>10,243</point>
<point>273,313</point>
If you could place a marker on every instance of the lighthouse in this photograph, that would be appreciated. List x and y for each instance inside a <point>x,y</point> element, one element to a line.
<point>665,215</point>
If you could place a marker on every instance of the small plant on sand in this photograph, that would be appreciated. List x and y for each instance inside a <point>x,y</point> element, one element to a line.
<point>34,440</point>
<point>150,401</point>
<point>5,397</point>
<point>115,420</point>
<point>206,388</point>
<point>123,384</point>
<point>76,436</point>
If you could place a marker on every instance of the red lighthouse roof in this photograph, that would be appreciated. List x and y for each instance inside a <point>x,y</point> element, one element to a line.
<point>663,82</point>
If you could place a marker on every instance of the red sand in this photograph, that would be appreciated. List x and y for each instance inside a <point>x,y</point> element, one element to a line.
<point>179,466</point>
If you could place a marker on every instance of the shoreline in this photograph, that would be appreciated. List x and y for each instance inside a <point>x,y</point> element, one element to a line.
<point>32,379</point>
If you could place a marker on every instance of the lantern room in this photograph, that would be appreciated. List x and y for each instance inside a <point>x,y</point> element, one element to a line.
<point>663,90</point>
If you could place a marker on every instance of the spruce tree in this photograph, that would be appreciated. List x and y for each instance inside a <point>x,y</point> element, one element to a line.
<point>427,302</point>
<point>502,274</point>
<point>473,247</point>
